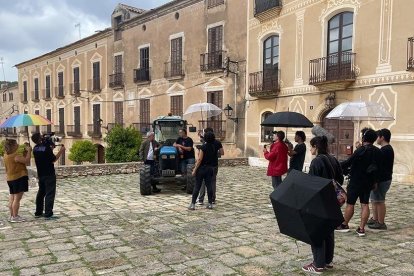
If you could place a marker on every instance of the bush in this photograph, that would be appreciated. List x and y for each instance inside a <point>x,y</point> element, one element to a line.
<point>2,147</point>
<point>82,151</point>
<point>123,145</point>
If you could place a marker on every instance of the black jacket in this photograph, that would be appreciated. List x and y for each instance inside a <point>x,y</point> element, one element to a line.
<point>326,166</point>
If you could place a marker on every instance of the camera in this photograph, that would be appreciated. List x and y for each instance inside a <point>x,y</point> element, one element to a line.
<point>50,139</point>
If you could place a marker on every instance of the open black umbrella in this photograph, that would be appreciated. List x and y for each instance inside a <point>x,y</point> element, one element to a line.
<point>306,207</point>
<point>287,119</point>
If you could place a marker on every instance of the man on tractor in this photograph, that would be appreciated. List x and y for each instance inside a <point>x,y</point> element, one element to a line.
<point>146,153</point>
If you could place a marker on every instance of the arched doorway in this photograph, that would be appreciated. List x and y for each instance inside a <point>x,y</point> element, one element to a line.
<point>100,154</point>
<point>343,131</point>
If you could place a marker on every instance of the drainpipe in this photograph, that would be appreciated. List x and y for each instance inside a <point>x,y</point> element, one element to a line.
<point>235,108</point>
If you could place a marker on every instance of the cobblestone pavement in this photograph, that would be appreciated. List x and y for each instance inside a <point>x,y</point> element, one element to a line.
<point>107,227</point>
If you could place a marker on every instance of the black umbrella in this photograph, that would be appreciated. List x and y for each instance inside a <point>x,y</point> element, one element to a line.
<point>306,207</point>
<point>287,119</point>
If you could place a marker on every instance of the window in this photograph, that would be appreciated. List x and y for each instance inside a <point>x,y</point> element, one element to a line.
<point>76,119</point>
<point>119,113</point>
<point>25,91</point>
<point>47,94</point>
<point>177,105</point>
<point>144,115</point>
<point>96,78</point>
<point>76,84</point>
<point>4,96</point>
<point>266,132</point>
<point>96,109</point>
<point>60,84</point>
<point>176,56</point>
<point>216,122</point>
<point>49,117</point>
<point>215,39</point>
<point>270,62</point>
<point>11,96</point>
<point>37,128</point>
<point>144,57</point>
<point>118,64</point>
<point>61,120</point>
<point>36,88</point>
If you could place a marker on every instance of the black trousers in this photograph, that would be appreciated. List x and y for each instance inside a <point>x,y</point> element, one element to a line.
<point>213,186</point>
<point>45,198</point>
<point>324,253</point>
<point>153,168</point>
<point>205,173</point>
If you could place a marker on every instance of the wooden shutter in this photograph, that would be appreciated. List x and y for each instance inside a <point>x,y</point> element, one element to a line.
<point>177,105</point>
<point>76,75</point>
<point>25,91</point>
<point>144,57</point>
<point>176,56</point>
<point>47,87</point>
<point>49,117</point>
<point>96,117</point>
<point>118,64</point>
<point>119,113</point>
<point>62,120</point>
<point>76,112</point>
<point>37,112</point>
<point>215,39</point>
<point>216,98</point>
<point>60,78</point>
<point>36,88</point>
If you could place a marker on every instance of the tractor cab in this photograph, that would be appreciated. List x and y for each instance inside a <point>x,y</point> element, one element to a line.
<point>166,129</point>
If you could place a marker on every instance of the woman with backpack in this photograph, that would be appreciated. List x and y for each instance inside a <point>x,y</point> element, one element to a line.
<point>326,166</point>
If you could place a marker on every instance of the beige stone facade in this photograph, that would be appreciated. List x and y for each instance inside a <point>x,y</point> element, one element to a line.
<point>366,46</point>
<point>9,102</point>
<point>148,64</point>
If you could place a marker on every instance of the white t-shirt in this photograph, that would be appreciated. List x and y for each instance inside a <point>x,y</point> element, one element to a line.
<point>150,155</point>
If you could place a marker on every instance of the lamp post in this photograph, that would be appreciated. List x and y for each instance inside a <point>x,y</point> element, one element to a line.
<point>228,111</point>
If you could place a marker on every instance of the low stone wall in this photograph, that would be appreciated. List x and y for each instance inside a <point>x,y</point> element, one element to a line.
<point>123,168</point>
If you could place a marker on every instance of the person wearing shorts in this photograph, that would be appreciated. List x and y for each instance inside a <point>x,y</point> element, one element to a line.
<point>17,178</point>
<point>364,163</point>
<point>379,193</point>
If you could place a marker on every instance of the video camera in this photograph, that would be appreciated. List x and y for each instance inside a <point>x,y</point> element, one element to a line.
<point>50,139</point>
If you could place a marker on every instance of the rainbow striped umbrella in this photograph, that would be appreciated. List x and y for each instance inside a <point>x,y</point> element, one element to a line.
<point>21,120</point>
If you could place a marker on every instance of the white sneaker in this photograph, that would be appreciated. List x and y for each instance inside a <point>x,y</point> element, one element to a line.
<point>270,205</point>
<point>16,219</point>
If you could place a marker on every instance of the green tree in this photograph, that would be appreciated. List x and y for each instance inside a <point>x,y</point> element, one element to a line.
<point>2,147</point>
<point>123,145</point>
<point>82,151</point>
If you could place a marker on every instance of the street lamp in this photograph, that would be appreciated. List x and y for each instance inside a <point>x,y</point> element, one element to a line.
<point>228,111</point>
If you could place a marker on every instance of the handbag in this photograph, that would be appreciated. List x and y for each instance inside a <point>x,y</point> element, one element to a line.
<point>341,195</point>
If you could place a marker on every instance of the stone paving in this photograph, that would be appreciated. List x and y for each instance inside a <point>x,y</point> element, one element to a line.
<point>107,227</point>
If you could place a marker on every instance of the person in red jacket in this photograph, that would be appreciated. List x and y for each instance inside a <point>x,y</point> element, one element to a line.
<point>278,158</point>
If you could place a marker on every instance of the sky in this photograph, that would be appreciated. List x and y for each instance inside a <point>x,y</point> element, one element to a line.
<point>30,28</point>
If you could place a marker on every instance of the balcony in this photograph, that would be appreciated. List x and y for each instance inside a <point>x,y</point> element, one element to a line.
<point>219,127</point>
<point>74,89</point>
<point>46,94</point>
<point>94,130</point>
<point>8,132</point>
<point>23,98</point>
<point>59,130</point>
<point>212,62</point>
<point>94,85</point>
<point>74,130</point>
<point>116,81</point>
<point>142,75</point>
<point>46,129</point>
<point>335,72</point>
<point>410,54</point>
<point>35,97</point>
<point>267,9</point>
<point>112,125</point>
<point>264,84</point>
<point>143,128</point>
<point>60,92</point>
<point>174,70</point>
<point>214,3</point>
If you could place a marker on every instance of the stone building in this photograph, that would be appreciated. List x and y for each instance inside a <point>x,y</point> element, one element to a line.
<point>9,102</point>
<point>309,56</point>
<point>148,64</point>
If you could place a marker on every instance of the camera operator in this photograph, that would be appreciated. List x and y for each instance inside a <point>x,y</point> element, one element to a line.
<point>45,159</point>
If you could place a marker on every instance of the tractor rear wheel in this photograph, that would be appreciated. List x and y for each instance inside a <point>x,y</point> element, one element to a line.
<point>145,180</point>
<point>190,179</point>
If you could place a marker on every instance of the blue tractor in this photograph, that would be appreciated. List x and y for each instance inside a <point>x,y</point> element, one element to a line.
<point>167,158</point>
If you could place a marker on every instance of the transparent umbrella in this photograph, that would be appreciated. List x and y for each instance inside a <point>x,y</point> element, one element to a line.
<point>360,111</point>
<point>207,110</point>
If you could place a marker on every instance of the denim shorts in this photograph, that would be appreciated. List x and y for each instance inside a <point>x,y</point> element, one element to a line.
<point>378,195</point>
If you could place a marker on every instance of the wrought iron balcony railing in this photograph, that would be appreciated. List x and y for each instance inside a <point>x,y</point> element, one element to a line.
<point>59,130</point>
<point>212,61</point>
<point>46,94</point>
<point>23,98</point>
<point>94,130</point>
<point>265,8</point>
<point>143,128</point>
<point>60,92</point>
<point>94,85</point>
<point>74,89</point>
<point>142,75</point>
<point>219,127</point>
<point>214,3</point>
<point>174,69</point>
<point>116,80</point>
<point>333,68</point>
<point>74,130</point>
<point>264,84</point>
<point>410,54</point>
<point>8,132</point>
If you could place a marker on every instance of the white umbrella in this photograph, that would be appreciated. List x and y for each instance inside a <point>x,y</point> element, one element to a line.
<point>207,110</point>
<point>360,111</point>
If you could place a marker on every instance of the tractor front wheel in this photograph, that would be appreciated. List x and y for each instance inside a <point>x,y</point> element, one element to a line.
<point>145,180</point>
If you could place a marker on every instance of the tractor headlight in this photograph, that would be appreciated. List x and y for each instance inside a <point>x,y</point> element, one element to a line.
<point>164,156</point>
<point>172,156</point>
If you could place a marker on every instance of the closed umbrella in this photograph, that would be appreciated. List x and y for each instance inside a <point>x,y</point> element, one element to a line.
<point>306,207</point>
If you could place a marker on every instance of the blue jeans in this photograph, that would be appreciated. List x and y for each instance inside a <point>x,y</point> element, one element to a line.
<point>184,163</point>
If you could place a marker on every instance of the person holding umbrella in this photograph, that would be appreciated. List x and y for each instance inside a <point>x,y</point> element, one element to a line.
<point>278,158</point>
<point>326,166</point>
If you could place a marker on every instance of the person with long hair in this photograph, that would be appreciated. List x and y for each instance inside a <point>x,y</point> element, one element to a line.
<point>326,166</point>
<point>278,158</point>
<point>17,178</point>
<point>204,169</point>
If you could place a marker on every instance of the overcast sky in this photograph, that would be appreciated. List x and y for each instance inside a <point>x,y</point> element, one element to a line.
<point>29,28</point>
